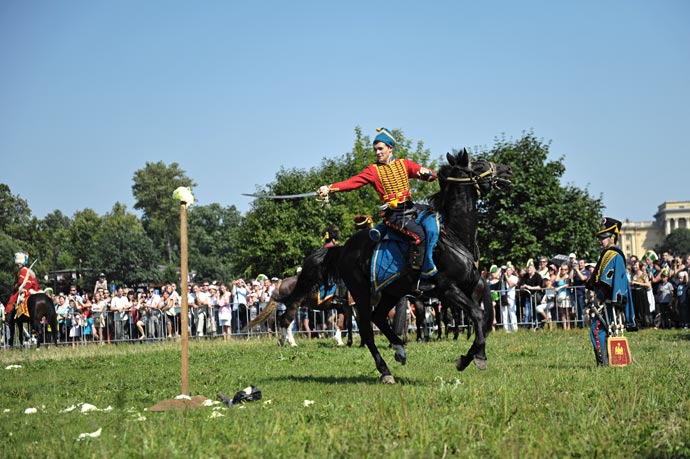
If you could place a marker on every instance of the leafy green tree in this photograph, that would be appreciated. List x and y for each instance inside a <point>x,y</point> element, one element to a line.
<point>50,240</point>
<point>125,252</point>
<point>85,225</point>
<point>537,215</point>
<point>8,271</point>
<point>15,235</point>
<point>15,215</point>
<point>212,238</point>
<point>676,243</point>
<point>152,189</point>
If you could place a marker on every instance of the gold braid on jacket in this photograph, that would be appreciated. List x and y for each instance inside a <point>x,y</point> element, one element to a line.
<point>396,184</point>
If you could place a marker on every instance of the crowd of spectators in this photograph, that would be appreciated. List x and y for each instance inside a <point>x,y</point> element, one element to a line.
<point>110,314</point>
<point>550,293</point>
<point>554,292</point>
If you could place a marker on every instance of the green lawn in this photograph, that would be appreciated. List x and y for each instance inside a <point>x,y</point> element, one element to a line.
<point>542,396</point>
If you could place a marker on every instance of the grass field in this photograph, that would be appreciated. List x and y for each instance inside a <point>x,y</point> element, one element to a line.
<point>542,396</point>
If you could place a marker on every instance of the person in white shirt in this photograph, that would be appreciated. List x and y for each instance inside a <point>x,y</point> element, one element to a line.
<point>200,309</point>
<point>119,304</point>
<point>153,305</point>
<point>239,308</point>
<point>508,309</point>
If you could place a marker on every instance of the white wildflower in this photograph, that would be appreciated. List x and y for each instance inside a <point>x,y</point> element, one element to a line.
<point>95,434</point>
<point>86,407</point>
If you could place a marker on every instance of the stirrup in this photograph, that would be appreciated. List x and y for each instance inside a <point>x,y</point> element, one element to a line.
<point>423,286</point>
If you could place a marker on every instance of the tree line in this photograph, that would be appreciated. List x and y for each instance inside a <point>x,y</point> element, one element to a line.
<point>537,216</point>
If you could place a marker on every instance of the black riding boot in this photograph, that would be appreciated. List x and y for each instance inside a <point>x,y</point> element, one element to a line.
<point>416,262</point>
<point>602,357</point>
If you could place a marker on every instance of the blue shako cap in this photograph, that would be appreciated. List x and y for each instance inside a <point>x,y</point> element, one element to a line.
<point>385,136</point>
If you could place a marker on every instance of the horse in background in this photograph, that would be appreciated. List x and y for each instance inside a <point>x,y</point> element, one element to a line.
<point>339,302</point>
<point>458,284</point>
<point>40,306</point>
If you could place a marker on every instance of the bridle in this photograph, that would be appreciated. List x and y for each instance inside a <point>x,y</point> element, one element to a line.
<point>475,179</point>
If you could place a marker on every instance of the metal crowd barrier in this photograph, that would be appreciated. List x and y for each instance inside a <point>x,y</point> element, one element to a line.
<point>565,308</point>
<point>124,328</point>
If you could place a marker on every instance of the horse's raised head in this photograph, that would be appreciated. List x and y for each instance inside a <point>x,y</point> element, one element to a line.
<point>458,158</point>
<point>481,174</point>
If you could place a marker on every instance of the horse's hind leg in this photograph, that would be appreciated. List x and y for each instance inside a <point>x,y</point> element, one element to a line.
<point>366,332</point>
<point>348,325</point>
<point>380,318</point>
<point>40,334</point>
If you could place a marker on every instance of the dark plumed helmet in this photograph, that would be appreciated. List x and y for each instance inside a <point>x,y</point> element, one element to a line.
<point>609,227</point>
<point>363,222</point>
<point>329,233</point>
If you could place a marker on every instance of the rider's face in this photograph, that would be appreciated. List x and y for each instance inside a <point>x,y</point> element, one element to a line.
<point>383,153</point>
<point>605,242</point>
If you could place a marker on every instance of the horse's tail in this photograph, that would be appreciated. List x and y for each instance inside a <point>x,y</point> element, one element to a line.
<point>488,304</point>
<point>267,312</point>
<point>318,266</point>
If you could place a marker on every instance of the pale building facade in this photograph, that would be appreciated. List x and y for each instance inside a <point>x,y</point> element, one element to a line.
<point>638,237</point>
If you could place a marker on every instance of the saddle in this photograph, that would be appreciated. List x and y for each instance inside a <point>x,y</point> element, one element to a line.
<point>389,258</point>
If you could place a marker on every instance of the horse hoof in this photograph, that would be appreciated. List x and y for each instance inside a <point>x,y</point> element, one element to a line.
<point>463,362</point>
<point>400,355</point>
<point>388,379</point>
<point>480,363</point>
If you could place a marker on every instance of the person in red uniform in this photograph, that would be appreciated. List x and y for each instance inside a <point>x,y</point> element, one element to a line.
<point>390,178</point>
<point>26,283</point>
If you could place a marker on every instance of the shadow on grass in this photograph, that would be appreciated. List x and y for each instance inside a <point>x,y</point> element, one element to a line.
<point>680,335</point>
<point>337,379</point>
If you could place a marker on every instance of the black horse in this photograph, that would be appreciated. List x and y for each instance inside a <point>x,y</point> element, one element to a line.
<point>458,283</point>
<point>39,305</point>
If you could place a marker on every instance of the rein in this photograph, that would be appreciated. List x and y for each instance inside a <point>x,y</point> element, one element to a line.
<point>475,179</point>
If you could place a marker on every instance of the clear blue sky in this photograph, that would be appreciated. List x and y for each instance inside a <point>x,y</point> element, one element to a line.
<point>90,90</point>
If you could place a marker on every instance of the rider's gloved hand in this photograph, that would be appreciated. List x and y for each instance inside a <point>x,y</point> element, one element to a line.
<point>323,191</point>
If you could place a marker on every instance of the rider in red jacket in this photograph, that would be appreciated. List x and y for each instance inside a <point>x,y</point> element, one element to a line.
<point>26,284</point>
<point>390,177</point>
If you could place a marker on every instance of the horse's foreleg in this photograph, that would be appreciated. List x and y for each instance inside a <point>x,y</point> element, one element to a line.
<point>476,352</point>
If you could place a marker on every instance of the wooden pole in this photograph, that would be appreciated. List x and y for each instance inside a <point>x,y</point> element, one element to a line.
<point>185,402</point>
<point>183,294</point>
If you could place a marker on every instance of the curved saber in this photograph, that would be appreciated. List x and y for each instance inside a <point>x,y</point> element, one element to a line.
<point>281,196</point>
